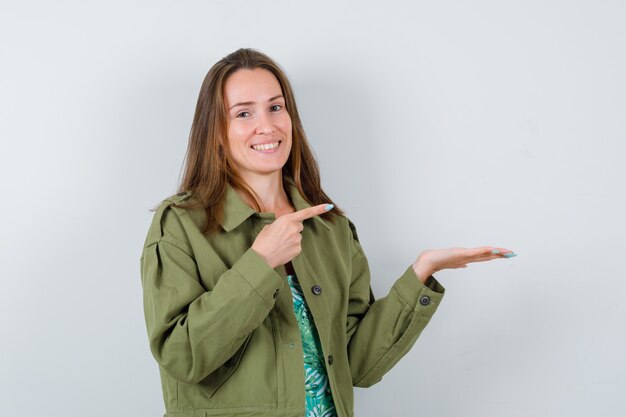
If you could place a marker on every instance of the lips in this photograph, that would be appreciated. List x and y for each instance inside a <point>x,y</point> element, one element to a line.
<point>266,147</point>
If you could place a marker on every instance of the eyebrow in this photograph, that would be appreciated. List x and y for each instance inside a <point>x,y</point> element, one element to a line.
<point>247,103</point>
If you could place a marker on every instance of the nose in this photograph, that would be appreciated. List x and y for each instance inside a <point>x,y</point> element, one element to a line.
<point>265,125</point>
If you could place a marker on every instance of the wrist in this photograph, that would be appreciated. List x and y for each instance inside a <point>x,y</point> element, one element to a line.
<point>422,270</point>
<point>267,261</point>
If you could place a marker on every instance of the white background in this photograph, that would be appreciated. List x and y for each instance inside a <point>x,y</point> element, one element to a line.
<point>436,124</point>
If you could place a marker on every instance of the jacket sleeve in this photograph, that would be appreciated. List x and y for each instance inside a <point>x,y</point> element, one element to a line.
<point>380,332</point>
<point>192,330</point>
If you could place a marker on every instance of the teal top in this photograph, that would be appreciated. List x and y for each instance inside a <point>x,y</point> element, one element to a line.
<point>319,399</point>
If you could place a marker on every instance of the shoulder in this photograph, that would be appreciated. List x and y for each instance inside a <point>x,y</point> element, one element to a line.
<point>169,206</point>
<point>345,225</point>
<point>352,227</point>
<point>178,198</point>
<point>344,230</point>
<point>348,229</point>
<point>166,220</point>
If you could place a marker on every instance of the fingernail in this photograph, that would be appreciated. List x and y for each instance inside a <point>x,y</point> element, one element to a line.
<point>510,255</point>
<point>329,206</point>
<point>495,251</point>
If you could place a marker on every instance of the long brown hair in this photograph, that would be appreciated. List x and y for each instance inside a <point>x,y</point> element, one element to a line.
<point>208,168</point>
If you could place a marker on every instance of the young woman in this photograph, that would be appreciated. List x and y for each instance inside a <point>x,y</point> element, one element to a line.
<point>257,292</point>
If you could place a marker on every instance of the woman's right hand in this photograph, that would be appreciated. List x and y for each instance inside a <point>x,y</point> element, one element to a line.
<point>279,242</point>
<point>433,260</point>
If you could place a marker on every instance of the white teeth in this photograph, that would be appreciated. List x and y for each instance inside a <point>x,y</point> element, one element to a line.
<point>265,147</point>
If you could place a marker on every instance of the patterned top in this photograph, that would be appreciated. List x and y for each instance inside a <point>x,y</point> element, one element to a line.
<point>319,399</point>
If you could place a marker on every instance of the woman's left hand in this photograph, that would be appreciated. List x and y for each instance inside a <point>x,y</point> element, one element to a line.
<point>433,260</point>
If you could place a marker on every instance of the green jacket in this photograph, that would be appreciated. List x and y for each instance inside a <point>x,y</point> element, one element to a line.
<point>221,323</point>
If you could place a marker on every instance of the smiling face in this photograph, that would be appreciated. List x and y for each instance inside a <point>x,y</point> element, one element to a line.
<point>259,126</point>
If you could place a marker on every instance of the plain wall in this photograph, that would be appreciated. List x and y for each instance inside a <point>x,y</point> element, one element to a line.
<point>436,124</point>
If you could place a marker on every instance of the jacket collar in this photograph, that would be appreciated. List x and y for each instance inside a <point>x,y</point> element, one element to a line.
<point>236,210</point>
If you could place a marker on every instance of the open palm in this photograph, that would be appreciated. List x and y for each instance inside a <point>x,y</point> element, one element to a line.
<point>433,260</point>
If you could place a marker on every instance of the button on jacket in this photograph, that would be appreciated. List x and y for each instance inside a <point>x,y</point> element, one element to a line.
<point>221,323</point>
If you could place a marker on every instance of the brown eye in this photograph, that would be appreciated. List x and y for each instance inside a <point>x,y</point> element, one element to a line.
<point>243,114</point>
<point>276,107</point>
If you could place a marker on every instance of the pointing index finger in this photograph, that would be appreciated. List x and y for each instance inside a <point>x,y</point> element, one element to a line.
<point>309,212</point>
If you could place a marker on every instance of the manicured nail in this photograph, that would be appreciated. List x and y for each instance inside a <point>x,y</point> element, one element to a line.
<point>329,206</point>
<point>510,255</point>
<point>495,251</point>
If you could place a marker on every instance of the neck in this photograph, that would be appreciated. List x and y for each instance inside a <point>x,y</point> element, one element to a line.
<point>270,190</point>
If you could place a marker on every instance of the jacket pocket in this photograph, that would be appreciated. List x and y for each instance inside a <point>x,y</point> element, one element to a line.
<point>221,375</point>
